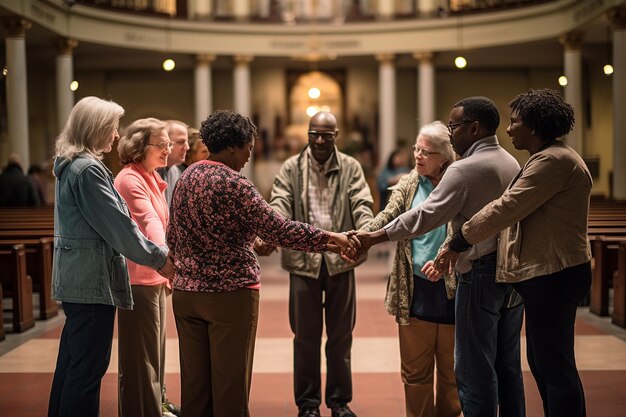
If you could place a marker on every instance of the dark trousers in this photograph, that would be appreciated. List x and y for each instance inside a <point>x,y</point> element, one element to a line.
<point>216,336</point>
<point>311,303</point>
<point>84,355</point>
<point>487,345</point>
<point>551,302</point>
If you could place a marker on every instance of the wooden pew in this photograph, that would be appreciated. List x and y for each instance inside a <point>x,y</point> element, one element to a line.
<point>619,287</point>
<point>39,267</point>
<point>18,285</point>
<point>2,336</point>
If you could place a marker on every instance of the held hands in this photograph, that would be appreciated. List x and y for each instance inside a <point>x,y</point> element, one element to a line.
<point>432,274</point>
<point>263,248</point>
<point>445,261</point>
<point>367,240</point>
<point>343,243</point>
<point>168,270</point>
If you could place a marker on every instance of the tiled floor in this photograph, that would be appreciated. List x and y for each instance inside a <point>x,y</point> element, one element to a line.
<point>27,360</point>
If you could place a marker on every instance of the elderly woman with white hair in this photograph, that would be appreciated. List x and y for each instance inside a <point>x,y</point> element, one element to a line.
<point>424,309</point>
<point>93,235</point>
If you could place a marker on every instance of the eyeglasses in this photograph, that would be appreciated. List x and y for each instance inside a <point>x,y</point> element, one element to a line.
<point>326,136</point>
<point>452,126</point>
<point>417,150</point>
<point>163,145</point>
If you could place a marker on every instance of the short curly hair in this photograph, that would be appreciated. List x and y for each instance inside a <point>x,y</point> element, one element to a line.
<point>133,145</point>
<point>226,128</point>
<point>481,109</point>
<point>545,112</point>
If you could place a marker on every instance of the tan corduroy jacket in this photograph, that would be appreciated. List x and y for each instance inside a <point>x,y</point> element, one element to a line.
<point>541,217</point>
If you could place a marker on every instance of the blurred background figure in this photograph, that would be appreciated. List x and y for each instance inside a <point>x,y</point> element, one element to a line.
<point>16,189</point>
<point>197,150</point>
<point>35,173</point>
<point>397,166</point>
<point>177,132</point>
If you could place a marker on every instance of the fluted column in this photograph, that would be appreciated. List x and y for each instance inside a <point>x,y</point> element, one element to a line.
<point>64,77</point>
<point>242,95</point>
<point>241,9</point>
<point>386,9</point>
<point>203,89</point>
<point>617,17</point>
<point>572,63</point>
<point>386,106</point>
<point>426,88</point>
<point>17,93</point>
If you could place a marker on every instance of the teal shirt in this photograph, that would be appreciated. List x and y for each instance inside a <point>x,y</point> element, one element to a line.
<point>424,248</point>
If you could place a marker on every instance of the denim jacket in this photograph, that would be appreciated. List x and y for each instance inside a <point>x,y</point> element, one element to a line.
<point>93,233</point>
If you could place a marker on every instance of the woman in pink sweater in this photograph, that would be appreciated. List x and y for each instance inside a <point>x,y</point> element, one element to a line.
<point>144,147</point>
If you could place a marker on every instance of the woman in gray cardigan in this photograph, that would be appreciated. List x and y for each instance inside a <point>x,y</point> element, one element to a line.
<point>93,235</point>
<point>543,248</point>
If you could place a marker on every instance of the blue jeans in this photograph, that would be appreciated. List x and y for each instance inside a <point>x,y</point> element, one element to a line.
<point>487,344</point>
<point>84,355</point>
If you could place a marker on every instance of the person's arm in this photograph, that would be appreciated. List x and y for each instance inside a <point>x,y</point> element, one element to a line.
<point>135,191</point>
<point>441,206</point>
<point>359,196</point>
<point>99,204</point>
<point>542,177</point>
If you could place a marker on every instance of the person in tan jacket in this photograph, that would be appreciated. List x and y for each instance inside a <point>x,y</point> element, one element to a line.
<point>543,247</point>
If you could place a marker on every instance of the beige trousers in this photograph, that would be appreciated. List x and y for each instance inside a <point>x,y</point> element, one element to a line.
<point>216,335</point>
<point>422,345</point>
<point>141,350</point>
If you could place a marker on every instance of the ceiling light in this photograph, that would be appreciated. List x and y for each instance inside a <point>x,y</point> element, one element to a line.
<point>314,92</point>
<point>312,110</point>
<point>608,69</point>
<point>460,62</point>
<point>562,80</point>
<point>169,64</point>
<point>74,85</point>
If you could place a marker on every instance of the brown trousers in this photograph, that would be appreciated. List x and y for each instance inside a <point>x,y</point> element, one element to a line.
<point>422,344</point>
<point>216,333</point>
<point>141,350</point>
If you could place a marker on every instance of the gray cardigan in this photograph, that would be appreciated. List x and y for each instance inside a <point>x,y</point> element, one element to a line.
<point>92,233</point>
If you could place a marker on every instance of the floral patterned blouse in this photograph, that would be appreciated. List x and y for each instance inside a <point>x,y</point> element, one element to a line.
<point>215,215</point>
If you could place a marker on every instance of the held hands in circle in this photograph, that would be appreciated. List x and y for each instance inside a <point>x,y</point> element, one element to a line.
<point>445,261</point>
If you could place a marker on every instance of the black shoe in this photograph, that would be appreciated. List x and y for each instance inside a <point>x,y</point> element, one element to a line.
<point>309,412</point>
<point>342,412</point>
<point>171,408</point>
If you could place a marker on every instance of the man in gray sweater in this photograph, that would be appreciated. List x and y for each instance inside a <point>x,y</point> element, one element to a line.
<point>488,315</point>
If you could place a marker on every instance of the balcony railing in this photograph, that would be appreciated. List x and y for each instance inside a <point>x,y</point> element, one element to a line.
<point>294,11</point>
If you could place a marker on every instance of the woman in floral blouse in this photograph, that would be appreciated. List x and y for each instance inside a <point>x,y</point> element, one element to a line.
<point>215,215</point>
<point>423,309</point>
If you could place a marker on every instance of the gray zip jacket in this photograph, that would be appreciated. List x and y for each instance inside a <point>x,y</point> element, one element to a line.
<point>351,208</point>
<point>467,186</point>
<point>93,232</point>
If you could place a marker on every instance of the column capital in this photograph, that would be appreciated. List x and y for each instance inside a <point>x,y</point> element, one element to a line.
<point>425,57</point>
<point>15,26</point>
<point>617,17</point>
<point>572,40</point>
<point>65,46</point>
<point>385,58</point>
<point>205,58</point>
<point>242,59</point>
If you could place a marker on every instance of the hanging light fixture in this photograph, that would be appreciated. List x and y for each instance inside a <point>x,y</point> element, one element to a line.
<point>169,64</point>
<point>608,68</point>
<point>460,61</point>
<point>562,80</point>
<point>314,92</point>
<point>74,85</point>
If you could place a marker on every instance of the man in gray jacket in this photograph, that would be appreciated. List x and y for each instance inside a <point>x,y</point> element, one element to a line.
<point>488,315</point>
<point>327,189</point>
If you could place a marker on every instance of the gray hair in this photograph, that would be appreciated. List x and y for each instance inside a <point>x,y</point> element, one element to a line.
<point>439,137</point>
<point>133,145</point>
<point>89,127</point>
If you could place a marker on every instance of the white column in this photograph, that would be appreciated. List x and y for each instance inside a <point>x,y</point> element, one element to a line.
<point>387,107</point>
<point>242,100</point>
<point>425,88</point>
<point>199,9</point>
<point>17,93</point>
<point>572,65</point>
<point>203,89</point>
<point>386,9</point>
<point>427,7</point>
<point>241,9</point>
<point>618,20</point>
<point>64,77</point>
